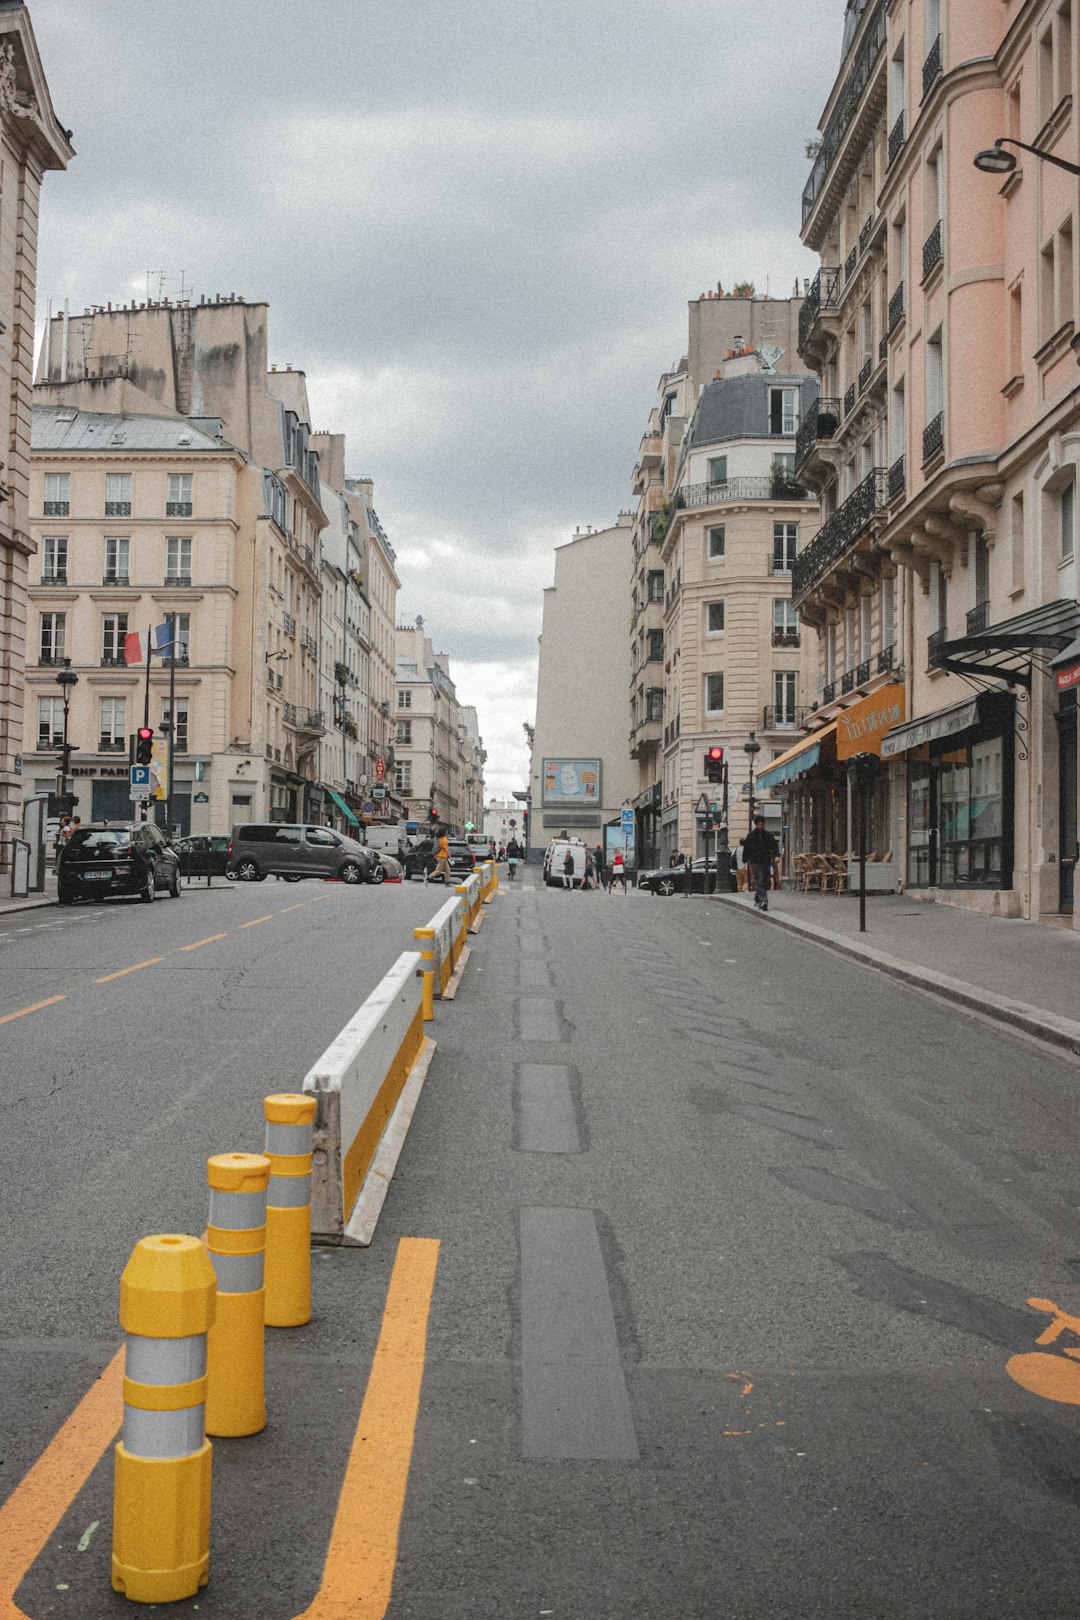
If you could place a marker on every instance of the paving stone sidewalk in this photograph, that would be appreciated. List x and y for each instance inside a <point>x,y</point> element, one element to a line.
<point>1025,974</point>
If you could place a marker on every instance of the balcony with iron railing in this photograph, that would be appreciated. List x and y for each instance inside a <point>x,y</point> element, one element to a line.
<point>933,251</point>
<point>824,293</point>
<point>115,578</point>
<point>896,139</point>
<point>935,647</point>
<point>886,659</point>
<point>850,262</point>
<point>57,577</point>
<point>57,508</point>
<point>177,508</point>
<point>820,423</point>
<point>849,401</point>
<point>117,509</point>
<point>862,672</point>
<point>896,310</point>
<point>931,66</point>
<point>933,439</point>
<point>865,371</point>
<point>786,638</point>
<point>840,532</point>
<point>977,618</point>
<point>113,660</point>
<point>111,745</point>
<point>847,105</point>
<point>778,487</point>
<point>783,717</point>
<point>177,581</point>
<point>847,682</point>
<point>828,692</point>
<point>897,479</point>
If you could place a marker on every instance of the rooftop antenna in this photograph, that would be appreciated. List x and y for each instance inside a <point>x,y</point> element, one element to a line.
<point>161,284</point>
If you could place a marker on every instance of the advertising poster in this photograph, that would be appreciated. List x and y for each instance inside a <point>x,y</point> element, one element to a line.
<point>571,782</point>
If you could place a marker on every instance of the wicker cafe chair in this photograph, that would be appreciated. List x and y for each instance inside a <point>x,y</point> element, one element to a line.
<point>816,870</point>
<point>800,871</point>
<point>835,876</point>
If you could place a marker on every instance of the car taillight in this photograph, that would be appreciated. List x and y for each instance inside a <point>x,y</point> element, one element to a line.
<point>229,851</point>
<point>120,849</point>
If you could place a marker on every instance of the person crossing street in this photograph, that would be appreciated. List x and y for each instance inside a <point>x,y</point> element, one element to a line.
<point>761,854</point>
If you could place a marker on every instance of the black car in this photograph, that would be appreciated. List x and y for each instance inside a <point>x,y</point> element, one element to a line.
<point>202,849</point>
<point>108,858</point>
<point>667,880</point>
<point>421,859</point>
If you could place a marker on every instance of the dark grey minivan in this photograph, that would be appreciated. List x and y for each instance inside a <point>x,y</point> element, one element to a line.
<point>294,851</point>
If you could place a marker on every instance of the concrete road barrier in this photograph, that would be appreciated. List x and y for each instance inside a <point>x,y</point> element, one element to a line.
<point>473,901</point>
<point>436,944</point>
<point>366,1085</point>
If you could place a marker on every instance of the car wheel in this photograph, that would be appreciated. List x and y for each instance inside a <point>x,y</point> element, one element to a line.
<point>174,886</point>
<point>247,871</point>
<point>148,892</point>
<point>351,873</point>
<point>665,886</point>
<point>291,877</point>
<point>377,875</point>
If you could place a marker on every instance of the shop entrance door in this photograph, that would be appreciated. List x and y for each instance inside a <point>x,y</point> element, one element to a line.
<point>1067,853</point>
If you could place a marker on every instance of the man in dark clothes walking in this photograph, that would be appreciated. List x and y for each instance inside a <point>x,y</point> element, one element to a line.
<point>761,853</point>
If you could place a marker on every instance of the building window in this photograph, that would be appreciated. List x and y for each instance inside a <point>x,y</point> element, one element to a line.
<point>888,611</point>
<point>714,618</point>
<point>180,739</point>
<point>785,623</point>
<point>1016,331</point>
<point>1055,49</point>
<point>784,696</point>
<point>57,494</point>
<point>181,638</point>
<point>865,609</point>
<point>1016,537</point>
<point>654,703</point>
<point>112,723</point>
<point>982,569</point>
<point>114,628</point>
<point>714,692</point>
<point>52,638</point>
<point>715,543</point>
<point>784,411</point>
<point>403,776</point>
<point>117,494</point>
<point>656,646</point>
<point>718,470</point>
<point>178,501</point>
<point>50,722</point>
<point>54,559</point>
<point>117,560</point>
<point>939,599</point>
<point>656,585</point>
<point>404,699</point>
<point>1067,511</point>
<point>404,732</point>
<point>1055,282</point>
<point>178,559</point>
<point>785,545</point>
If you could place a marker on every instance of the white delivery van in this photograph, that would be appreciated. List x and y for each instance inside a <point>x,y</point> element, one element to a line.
<point>386,839</point>
<point>555,861</point>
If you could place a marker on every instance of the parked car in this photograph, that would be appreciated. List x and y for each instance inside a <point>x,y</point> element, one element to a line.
<point>294,850</point>
<point>106,858</point>
<point>201,849</point>
<point>392,869</point>
<point>667,880</point>
<point>421,860</point>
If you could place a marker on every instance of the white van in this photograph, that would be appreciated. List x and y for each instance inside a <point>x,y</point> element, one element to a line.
<point>555,861</point>
<point>482,846</point>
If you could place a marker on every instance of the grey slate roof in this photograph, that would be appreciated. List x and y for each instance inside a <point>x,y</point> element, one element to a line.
<point>62,427</point>
<point>738,407</point>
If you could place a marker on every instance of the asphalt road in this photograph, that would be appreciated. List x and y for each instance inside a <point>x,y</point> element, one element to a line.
<point>735,1239</point>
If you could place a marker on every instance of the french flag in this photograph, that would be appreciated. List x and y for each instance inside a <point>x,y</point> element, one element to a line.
<point>136,642</point>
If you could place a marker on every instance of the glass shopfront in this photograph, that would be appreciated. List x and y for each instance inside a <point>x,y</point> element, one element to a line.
<point>959,804</point>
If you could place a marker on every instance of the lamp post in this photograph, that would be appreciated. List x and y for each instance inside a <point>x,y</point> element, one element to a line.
<point>996,161</point>
<point>67,681</point>
<point>751,749</point>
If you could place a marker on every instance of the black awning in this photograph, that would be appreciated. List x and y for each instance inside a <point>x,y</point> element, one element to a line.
<point>1007,651</point>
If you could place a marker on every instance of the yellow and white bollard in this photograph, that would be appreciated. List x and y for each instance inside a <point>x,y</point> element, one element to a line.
<point>236,1239</point>
<point>425,944</point>
<point>161,1473</point>
<point>290,1125</point>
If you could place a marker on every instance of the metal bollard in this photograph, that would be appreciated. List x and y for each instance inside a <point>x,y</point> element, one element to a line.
<point>290,1124</point>
<point>236,1238</point>
<point>161,1471</point>
<point>425,944</point>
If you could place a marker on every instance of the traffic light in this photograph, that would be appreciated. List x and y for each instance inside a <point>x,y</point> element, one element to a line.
<point>433,813</point>
<point>144,745</point>
<point>714,764</point>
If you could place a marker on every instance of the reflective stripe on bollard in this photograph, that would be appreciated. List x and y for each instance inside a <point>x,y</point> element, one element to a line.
<point>236,1238</point>
<point>162,1462</point>
<point>290,1124</point>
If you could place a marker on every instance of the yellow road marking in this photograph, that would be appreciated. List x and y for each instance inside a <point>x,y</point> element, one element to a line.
<point>256,920</point>
<point>34,1509</point>
<point>209,940</point>
<point>108,977</point>
<point>22,1012</point>
<point>283,909</point>
<point>359,1569</point>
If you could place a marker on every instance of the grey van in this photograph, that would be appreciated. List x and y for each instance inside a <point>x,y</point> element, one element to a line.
<point>294,851</point>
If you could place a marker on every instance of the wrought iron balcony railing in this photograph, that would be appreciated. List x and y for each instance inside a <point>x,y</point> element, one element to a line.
<point>57,577</point>
<point>177,508</point>
<point>931,67</point>
<point>178,579</point>
<point>849,400</point>
<point>847,682</point>
<point>883,347</point>
<point>977,618</point>
<point>935,643</point>
<point>850,262</point>
<point>862,672</point>
<point>776,488</point>
<point>117,508</point>
<point>864,374</point>
<point>820,422</point>
<point>114,578</point>
<point>828,692</point>
<point>839,533</point>
<point>785,638</point>
<point>896,138</point>
<point>866,233</point>
<point>783,717</point>
<point>896,310</point>
<point>57,508</point>
<point>933,439</point>
<point>824,294</point>
<point>933,251</point>
<point>886,659</point>
<point>897,479</point>
<point>847,106</point>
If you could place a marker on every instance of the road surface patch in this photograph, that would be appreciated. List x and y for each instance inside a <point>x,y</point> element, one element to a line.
<point>813,1130</point>
<point>540,1020</point>
<point>547,1109</point>
<point>830,1189</point>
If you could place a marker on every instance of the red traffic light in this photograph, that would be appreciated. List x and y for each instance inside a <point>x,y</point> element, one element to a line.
<point>144,745</point>
<point>716,753</point>
<point>433,813</point>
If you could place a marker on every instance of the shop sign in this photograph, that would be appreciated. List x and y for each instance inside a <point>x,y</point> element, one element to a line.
<point>1068,678</point>
<point>859,730</point>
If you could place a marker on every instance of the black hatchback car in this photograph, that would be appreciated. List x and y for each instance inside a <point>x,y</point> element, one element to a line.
<point>108,858</point>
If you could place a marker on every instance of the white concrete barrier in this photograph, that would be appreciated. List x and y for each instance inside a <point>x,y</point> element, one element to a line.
<point>440,945</point>
<point>366,1085</point>
<point>474,901</point>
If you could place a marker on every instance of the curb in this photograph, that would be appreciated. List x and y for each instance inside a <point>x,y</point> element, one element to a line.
<point>1045,1026</point>
<point>25,905</point>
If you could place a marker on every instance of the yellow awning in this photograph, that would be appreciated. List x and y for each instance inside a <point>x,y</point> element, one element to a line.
<point>806,752</point>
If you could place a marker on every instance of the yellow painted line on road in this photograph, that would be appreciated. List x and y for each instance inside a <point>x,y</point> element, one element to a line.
<point>359,1569</point>
<point>50,1001</point>
<point>109,977</point>
<point>209,940</point>
<point>255,921</point>
<point>38,1503</point>
<point>301,904</point>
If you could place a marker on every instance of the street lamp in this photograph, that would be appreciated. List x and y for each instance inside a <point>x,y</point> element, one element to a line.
<point>995,161</point>
<point>67,681</point>
<point>751,749</point>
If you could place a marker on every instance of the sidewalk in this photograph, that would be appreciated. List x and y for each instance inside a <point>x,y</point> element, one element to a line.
<point>1023,974</point>
<point>33,900</point>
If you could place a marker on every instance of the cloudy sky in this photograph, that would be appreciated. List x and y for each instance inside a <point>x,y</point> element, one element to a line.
<point>477,226</point>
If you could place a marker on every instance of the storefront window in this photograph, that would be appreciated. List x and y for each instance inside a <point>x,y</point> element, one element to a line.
<point>919,824</point>
<point>957,801</point>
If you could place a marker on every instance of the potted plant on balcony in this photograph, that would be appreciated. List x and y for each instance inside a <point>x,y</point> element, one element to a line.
<point>783,486</point>
<point>348,726</point>
<point>341,674</point>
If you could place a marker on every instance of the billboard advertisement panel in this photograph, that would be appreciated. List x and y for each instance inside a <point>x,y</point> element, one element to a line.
<point>571,782</point>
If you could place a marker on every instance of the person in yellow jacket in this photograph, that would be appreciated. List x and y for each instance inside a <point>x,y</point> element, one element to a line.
<point>442,860</point>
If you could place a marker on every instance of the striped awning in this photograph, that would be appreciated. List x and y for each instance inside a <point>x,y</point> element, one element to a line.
<point>806,753</point>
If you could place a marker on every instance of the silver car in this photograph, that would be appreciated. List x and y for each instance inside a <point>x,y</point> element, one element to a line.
<point>295,850</point>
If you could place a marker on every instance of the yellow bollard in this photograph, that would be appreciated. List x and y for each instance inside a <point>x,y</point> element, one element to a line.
<point>425,940</point>
<point>290,1122</point>
<point>236,1238</point>
<point>161,1471</point>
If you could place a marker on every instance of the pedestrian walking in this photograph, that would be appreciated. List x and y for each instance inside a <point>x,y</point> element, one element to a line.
<point>742,871</point>
<point>568,870</point>
<point>761,854</point>
<point>587,880</point>
<point>442,860</point>
<point>598,863</point>
<point>513,855</point>
<point>618,871</point>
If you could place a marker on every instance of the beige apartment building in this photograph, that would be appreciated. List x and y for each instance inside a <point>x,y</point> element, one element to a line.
<point>149,398</point>
<point>439,757</point>
<point>948,552</point>
<point>581,775</point>
<point>32,141</point>
<point>380,586</point>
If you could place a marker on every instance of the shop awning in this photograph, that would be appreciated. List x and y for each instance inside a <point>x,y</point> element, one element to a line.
<point>929,727</point>
<point>1010,650</point>
<point>343,807</point>
<point>806,752</point>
